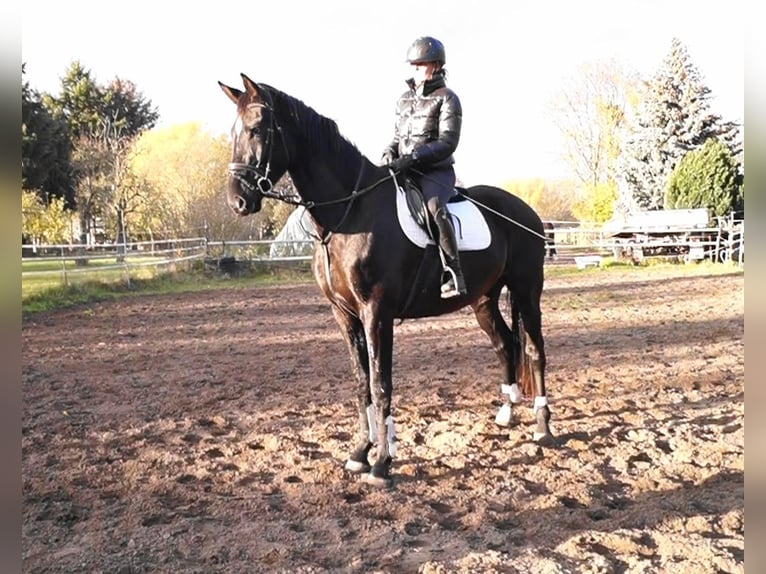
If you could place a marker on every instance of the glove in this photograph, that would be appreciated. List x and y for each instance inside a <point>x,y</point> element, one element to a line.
<point>402,163</point>
<point>387,158</point>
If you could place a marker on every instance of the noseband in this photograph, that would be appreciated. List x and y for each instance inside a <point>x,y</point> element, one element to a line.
<point>261,182</point>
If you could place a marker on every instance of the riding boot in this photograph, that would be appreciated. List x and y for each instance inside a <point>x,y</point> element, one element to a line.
<point>455,283</point>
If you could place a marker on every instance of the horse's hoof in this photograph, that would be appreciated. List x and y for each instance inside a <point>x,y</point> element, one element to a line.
<point>544,439</point>
<point>357,467</point>
<point>503,416</point>
<point>377,481</point>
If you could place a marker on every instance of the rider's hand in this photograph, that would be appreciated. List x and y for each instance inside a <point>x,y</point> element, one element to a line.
<point>402,163</point>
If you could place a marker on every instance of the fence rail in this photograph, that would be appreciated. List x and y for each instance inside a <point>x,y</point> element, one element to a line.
<point>48,265</point>
<point>51,265</point>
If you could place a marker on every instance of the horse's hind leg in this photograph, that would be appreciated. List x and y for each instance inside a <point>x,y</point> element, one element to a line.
<point>356,342</point>
<point>533,360</point>
<point>506,346</point>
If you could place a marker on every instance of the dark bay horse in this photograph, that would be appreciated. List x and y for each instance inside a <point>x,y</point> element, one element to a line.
<point>373,274</point>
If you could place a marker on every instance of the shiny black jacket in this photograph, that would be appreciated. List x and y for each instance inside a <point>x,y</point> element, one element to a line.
<point>427,125</point>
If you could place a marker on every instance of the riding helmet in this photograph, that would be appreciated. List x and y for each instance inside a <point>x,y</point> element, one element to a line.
<point>426,49</point>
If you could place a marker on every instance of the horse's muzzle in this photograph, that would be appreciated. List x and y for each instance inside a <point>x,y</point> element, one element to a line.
<point>240,201</point>
<point>239,205</point>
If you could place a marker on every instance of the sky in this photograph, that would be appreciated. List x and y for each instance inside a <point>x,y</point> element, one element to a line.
<point>506,61</point>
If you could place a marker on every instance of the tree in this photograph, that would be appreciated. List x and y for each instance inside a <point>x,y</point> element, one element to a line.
<point>673,119</point>
<point>597,204</point>
<point>79,102</point>
<point>45,150</point>
<point>89,157</point>
<point>102,122</point>
<point>552,201</point>
<point>706,177</point>
<point>590,113</point>
<point>184,168</point>
<point>41,223</point>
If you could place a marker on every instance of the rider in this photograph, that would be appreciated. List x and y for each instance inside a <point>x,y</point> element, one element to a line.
<point>426,134</point>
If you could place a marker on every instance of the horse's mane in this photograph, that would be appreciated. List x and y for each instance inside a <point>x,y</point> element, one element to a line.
<point>321,133</point>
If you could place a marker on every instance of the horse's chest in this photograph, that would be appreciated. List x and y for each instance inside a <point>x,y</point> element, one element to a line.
<point>340,278</point>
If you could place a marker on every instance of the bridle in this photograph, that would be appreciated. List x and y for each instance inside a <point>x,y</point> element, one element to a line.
<point>259,173</point>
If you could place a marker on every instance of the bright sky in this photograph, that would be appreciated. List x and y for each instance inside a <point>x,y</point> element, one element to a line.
<point>345,58</point>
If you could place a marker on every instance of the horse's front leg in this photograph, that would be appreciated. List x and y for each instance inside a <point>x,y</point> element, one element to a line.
<point>380,343</point>
<point>356,342</point>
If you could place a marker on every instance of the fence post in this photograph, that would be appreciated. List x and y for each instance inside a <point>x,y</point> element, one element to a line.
<point>172,264</point>
<point>126,268</point>
<point>63,268</point>
<point>717,258</point>
<point>741,250</point>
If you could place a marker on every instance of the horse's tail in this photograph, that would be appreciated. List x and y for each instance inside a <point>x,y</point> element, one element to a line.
<point>521,362</point>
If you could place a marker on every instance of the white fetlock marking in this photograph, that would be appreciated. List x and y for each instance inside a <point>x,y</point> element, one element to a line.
<point>372,425</point>
<point>391,435</point>
<point>503,417</point>
<point>512,391</point>
<point>540,402</point>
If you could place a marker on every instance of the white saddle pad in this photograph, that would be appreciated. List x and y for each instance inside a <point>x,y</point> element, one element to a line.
<point>470,226</point>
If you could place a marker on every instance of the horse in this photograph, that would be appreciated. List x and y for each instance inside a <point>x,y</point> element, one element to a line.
<point>550,240</point>
<point>373,274</point>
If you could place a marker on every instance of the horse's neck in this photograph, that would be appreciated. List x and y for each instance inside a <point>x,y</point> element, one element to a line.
<point>329,189</point>
<point>326,168</point>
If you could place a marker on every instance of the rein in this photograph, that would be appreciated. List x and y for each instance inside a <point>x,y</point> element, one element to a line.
<point>237,171</point>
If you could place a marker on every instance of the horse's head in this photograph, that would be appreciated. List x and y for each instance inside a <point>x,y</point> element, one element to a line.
<point>258,160</point>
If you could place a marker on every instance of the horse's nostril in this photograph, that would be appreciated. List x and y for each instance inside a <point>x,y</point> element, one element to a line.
<point>238,205</point>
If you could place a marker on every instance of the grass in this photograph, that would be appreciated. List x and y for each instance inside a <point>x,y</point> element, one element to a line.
<point>648,266</point>
<point>44,295</point>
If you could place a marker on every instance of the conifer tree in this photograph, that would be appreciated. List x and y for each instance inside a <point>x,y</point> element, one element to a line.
<point>45,150</point>
<point>673,119</point>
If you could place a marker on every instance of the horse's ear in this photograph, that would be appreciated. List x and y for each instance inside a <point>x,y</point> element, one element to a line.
<point>233,93</point>
<point>250,86</point>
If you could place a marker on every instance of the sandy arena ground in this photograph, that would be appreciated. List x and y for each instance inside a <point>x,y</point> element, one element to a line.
<point>207,432</point>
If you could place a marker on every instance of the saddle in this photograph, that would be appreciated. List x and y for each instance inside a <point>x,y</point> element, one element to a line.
<point>417,205</point>
<point>471,229</point>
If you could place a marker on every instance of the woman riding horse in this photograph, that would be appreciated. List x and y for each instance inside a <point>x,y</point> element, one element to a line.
<point>426,134</point>
<point>372,273</point>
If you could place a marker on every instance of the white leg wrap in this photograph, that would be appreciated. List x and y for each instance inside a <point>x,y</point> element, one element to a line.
<point>391,435</point>
<point>373,427</point>
<point>512,391</point>
<point>503,416</point>
<point>540,402</point>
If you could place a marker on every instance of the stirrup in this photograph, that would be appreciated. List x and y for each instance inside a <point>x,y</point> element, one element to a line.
<point>452,287</point>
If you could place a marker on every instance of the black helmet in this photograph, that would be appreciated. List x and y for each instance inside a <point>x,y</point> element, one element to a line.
<point>426,49</point>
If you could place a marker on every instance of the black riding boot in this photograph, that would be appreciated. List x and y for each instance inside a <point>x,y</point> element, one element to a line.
<point>455,283</point>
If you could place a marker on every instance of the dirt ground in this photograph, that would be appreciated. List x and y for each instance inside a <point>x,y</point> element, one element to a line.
<point>207,432</point>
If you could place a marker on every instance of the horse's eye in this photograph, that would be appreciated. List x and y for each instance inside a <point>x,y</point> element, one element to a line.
<point>254,131</point>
